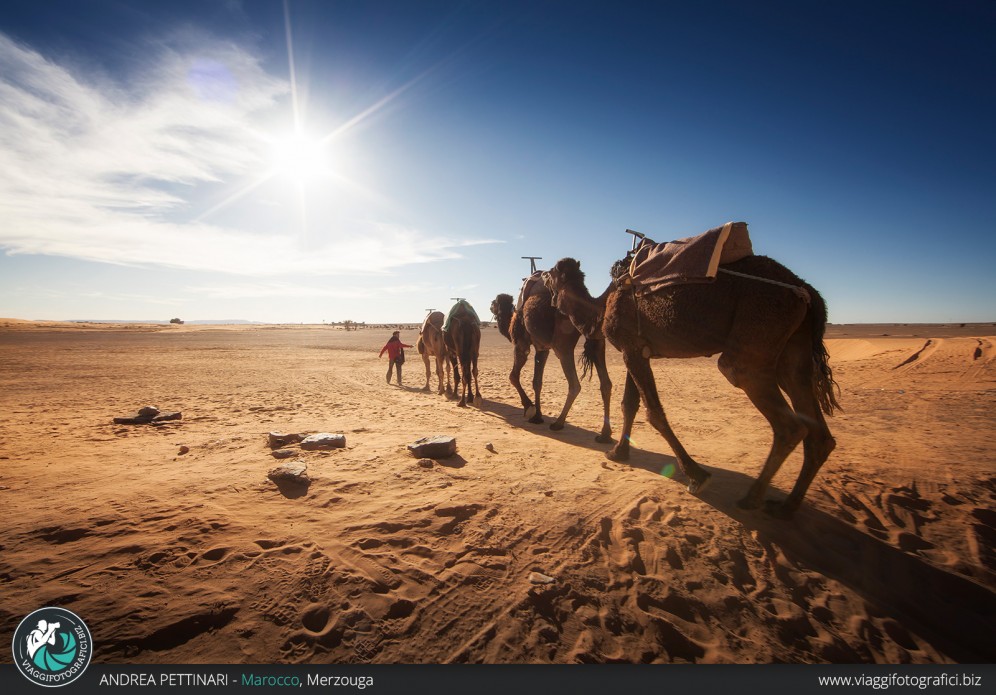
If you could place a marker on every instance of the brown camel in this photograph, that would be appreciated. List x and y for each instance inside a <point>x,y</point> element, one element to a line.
<point>430,344</point>
<point>463,343</point>
<point>770,337</point>
<point>541,326</point>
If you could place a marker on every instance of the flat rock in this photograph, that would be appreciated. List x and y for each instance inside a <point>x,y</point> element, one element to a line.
<point>135,419</point>
<point>293,472</point>
<point>433,447</point>
<point>283,453</point>
<point>323,440</point>
<point>146,415</point>
<point>277,440</point>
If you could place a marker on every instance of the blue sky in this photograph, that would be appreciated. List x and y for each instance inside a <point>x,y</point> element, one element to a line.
<point>320,161</point>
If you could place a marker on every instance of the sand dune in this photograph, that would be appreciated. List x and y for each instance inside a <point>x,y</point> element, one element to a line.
<point>197,557</point>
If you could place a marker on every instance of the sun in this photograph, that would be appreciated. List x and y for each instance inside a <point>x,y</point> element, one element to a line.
<point>299,157</point>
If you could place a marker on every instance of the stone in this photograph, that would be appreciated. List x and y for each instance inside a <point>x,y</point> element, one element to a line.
<point>294,472</point>
<point>323,440</point>
<point>433,447</point>
<point>540,578</point>
<point>183,449</point>
<point>133,420</point>
<point>283,453</point>
<point>146,415</point>
<point>426,463</point>
<point>277,440</point>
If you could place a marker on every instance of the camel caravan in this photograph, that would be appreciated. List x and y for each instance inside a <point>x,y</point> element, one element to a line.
<point>693,297</point>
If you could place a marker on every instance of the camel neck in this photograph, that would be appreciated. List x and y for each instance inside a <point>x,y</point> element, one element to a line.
<point>584,310</point>
<point>504,322</point>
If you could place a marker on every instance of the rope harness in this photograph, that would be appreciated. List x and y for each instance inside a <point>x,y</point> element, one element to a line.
<point>801,292</point>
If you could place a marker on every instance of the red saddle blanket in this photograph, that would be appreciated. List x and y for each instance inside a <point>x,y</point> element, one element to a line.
<point>693,259</point>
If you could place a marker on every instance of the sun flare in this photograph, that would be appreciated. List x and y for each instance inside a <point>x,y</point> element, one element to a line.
<point>299,157</point>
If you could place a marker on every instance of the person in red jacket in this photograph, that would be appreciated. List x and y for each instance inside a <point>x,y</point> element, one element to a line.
<point>395,353</point>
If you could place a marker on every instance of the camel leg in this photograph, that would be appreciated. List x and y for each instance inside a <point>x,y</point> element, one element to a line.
<point>573,385</point>
<point>639,369</point>
<point>449,374</point>
<point>425,360</point>
<point>539,366</point>
<point>464,382</point>
<point>605,386</point>
<point>478,400</point>
<point>795,376</point>
<point>630,406</point>
<point>456,375</point>
<point>439,376</point>
<point>514,377</point>
<point>760,384</point>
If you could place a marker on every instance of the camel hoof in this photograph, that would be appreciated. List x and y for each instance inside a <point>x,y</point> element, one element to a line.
<point>530,413</point>
<point>537,419</point>
<point>748,503</point>
<point>697,487</point>
<point>605,439</point>
<point>478,401</point>
<point>556,426</point>
<point>462,404</point>
<point>617,455</point>
<point>425,389</point>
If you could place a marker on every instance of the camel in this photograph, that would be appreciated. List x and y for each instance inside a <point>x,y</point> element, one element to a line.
<point>430,344</point>
<point>770,339</point>
<point>539,325</point>
<point>462,338</point>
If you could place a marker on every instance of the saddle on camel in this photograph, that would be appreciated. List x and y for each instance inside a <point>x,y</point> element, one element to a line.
<point>766,323</point>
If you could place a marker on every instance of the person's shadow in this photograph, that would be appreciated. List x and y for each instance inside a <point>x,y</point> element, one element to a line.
<point>954,613</point>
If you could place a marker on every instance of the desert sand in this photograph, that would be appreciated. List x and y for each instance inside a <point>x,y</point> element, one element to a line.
<point>174,546</point>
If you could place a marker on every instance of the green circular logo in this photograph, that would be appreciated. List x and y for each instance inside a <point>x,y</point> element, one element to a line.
<point>52,647</point>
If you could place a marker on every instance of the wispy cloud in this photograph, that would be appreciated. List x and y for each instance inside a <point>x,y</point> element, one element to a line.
<point>283,290</point>
<point>107,170</point>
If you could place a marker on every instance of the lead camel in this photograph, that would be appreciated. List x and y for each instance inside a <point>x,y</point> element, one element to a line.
<point>769,337</point>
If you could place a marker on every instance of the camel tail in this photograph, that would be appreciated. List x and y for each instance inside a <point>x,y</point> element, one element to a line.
<point>824,386</point>
<point>589,356</point>
<point>420,344</point>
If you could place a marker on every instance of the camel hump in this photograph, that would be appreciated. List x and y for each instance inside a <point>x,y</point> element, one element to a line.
<point>461,306</point>
<point>434,318</point>
<point>692,259</point>
<point>531,285</point>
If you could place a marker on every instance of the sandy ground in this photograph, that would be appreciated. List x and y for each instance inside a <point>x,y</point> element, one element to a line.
<point>197,557</point>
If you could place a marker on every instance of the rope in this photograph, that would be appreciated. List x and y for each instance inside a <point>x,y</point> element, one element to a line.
<point>800,291</point>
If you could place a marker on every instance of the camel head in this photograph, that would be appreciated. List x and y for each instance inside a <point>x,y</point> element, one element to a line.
<point>502,304</point>
<point>502,309</point>
<point>566,274</point>
<point>568,294</point>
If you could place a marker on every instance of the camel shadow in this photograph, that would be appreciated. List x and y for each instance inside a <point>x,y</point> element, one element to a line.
<point>954,613</point>
<point>571,434</point>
